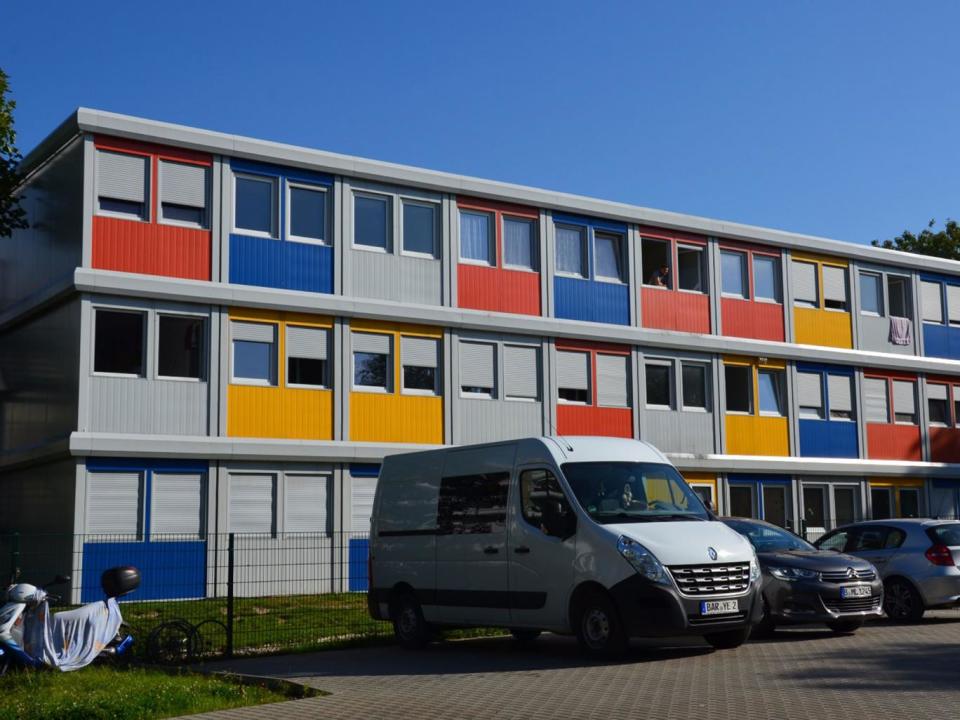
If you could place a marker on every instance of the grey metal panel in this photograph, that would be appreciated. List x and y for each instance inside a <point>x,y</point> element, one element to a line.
<point>683,432</point>
<point>306,503</point>
<point>840,393</point>
<point>494,420</point>
<point>477,364</point>
<point>875,400</point>
<point>144,405</point>
<point>521,371</point>
<point>573,370</point>
<point>613,380</point>
<point>400,278</point>
<point>804,281</point>
<point>419,351</point>
<point>121,176</point>
<point>370,342</point>
<point>183,184</point>
<point>176,504</point>
<point>114,502</point>
<point>834,283</point>
<point>307,342</point>
<point>930,298</point>
<point>253,331</point>
<point>809,392</point>
<point>875,335</point>
<point>904,396</point>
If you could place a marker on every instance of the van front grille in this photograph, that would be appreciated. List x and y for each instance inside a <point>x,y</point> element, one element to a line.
<point>699,580</point>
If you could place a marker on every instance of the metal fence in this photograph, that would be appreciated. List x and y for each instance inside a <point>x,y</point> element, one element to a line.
<point>213,595</point>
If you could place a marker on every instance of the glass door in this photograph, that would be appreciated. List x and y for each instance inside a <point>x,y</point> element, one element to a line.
<point>775,504</point>
<point>881,503</point>
<point>741,501</point>
<point>814,512</point>
<point>909,502</point>
<point>844,506</point>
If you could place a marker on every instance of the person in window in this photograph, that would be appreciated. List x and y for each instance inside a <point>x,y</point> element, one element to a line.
<point>659,277</point>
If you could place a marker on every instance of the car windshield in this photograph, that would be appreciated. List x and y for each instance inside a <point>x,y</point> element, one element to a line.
<point>617,492</point>
<point>768,538</point>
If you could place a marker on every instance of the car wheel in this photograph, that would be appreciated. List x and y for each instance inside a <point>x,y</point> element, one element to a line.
<point>728,639</point>
<point>845,627</point>
<point>524,636</point>
<point>901,601</point>
<point>599,629</point>
<point>410,628</point>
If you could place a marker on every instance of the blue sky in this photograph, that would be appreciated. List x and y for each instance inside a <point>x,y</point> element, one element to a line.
<point>836,119</point>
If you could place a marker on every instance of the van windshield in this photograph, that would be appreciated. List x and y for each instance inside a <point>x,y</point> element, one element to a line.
<point>617,492</point>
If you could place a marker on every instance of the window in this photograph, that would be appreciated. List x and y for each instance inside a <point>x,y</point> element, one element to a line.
<point>176,505</point>
<point>805,285</point>
<point>841,396</point>
<point>372,221</point>
<point>362,493</point>
<point>306,503</point>
<point>307,362</point>
<point>308,213</point>
<point>612,383</point>
<point>739,388</point>
<point>371,362</point>
<point>419,228</point>
<point>775,504</point>
<point>473,504</point>
<point>478,369</point>
<point>897,292</point>
<point>882,508</point>
<point>904,402</point>
<point>741,500</point>
<point>694,376</point>
<point>766,278</point>
<point>844,505</point>
<point>656,262</point>
<point>810,395</point>
<point>705,493</point>
<point>956,402</point>
<point>834,287</point>
<point>252,503</point>
<point>122,184</point>
<point>254,205</point>
<point>690,268</point>
<point>770,390</point>
<point>418,356</point>
<point>571,251</point>
<point>609,256</point>
<point>521,372</point>
<point>871,297</point>
<point>931,301</point>
<point>180,346</point>
<point>658,384</point>
<point>573,377</point>
<point>543,504</point>
<point>476,238</point>
<point>953,304</point>
<point>937,404</point>
<point>254,353</point>
<point>519,250</point>
<point>114,503</point>
<point>875,400</point>
<point>733,268</point>
<point>183,193</point>
<point>118,345</point>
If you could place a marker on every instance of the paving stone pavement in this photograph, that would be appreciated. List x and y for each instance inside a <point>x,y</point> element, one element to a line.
<point>884,671</point>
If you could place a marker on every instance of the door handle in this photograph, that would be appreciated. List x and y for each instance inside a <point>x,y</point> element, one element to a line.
<point>490,550</point>
<point>522,550</point>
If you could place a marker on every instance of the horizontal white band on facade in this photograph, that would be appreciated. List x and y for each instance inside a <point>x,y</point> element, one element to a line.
<point>84,444</point>
<point>179,290</point>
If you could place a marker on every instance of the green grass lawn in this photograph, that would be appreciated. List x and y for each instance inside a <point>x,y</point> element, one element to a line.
<point>121,694</point>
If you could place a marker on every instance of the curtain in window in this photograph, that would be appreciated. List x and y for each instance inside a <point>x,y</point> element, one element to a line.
<point>569,250</point>
<point>475,237</point>
<point>608,255</point>
<point>518,243</point>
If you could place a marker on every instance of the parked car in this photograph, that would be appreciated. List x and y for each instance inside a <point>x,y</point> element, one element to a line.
<point>597,537</point>
<point>917,559</point>
<point>804,585</point>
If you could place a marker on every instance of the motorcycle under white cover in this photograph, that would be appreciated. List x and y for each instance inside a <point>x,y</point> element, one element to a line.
<point>71,639</point>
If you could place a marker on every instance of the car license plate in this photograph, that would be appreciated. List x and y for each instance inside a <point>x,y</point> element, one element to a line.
<point>855,591</point>
<point>719,607</point>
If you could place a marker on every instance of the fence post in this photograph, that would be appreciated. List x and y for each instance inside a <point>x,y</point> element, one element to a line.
<point>15,558</point>
<point>230,596</point>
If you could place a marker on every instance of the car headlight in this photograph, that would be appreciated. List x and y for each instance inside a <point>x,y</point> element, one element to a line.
<point>642,560</point>
<point>754,568</point>
<point>789,573</point>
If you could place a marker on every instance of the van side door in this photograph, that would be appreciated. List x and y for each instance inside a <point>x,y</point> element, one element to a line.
<point>542,549</point>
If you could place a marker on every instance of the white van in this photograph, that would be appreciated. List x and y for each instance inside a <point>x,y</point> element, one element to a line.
<point>599,537</point>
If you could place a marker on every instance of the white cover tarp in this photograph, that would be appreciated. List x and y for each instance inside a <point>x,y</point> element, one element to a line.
<point>71,639</point>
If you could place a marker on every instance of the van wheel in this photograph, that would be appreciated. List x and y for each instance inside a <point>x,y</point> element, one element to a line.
<point>524,637</point>
<point>728,639</point>
<point>845,627</point>
<point>901,602</point>
<point>410,628</point>
<point>599,629</point>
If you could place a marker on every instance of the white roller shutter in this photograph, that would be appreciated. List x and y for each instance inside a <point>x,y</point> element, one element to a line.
<point>573,370</point>
<point>521,376</point>
<point>371,343</point>
<point>114,502</point>
<point>875,400</point>
<point>953,303</point>
<point>176,504</point>
<point>809,392</point>
<point>252,332</point>
<point>306,503</point>
<point>904,398</point>
<point>835,283</point>
<point>612,380</point>
<point>804,282</point>
<point>307,342</point>
<point>931,301</point>
<point>936,391</point>
<point>122,177</point>
<point>477,365</point>
<point>418,351</point>
<point>252,499</point>
<point>361,504</point>
<point>840,395</point>
<point>183,184</point>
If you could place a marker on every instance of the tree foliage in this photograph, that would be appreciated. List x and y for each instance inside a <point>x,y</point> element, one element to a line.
<point>12,216</point>
<point>941,243</point>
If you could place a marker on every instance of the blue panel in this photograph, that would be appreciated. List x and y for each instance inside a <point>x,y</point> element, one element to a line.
<point>107,464</point>
<point>941,341</point>
<point>357,579</point>
<point>257,168</point>
<point>364,469</point>
<point>754,478</point>
<point>817,367</point>
<point>946,483</point>
<point>592,222</point>
<point>168,570</point>
<point>591,301</point>
<point>825,438</point>
<point>281,264</point>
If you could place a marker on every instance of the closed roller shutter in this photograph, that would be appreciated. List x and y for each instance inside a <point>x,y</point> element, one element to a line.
<point>371,343</point>
<point>252,499</point>
<point>573,370</point>
<point>840,394</point>
<point>361,505</point>
<point>306,342</point>
<point>122,177</point>
<point>183,184</point>
<point>114,502</point>
<point>612,380</point>
<point>875,400</point>
<point>306,503</point>
<point>953,303</point>
<point>930,299</point>
<point>835,283</point>
<point>176,504</point>
<point>936,392</point>
<point>252,332</point>
<point>904,400</point>
<point>521,376</point>
<point>477,365</point>
<point>804,282</point>
<point>419,352</point>
<point>809,393</point>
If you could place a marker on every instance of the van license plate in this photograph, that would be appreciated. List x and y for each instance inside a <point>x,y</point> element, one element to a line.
<point>719,607</point>
<point>855,591</point>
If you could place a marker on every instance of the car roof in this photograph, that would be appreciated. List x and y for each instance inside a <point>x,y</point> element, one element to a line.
<point>902,522</point>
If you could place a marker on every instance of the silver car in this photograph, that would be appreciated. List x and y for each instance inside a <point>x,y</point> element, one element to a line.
<point>917,559</point>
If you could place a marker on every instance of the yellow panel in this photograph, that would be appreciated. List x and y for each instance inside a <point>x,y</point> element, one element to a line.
<point>405,328</point>
<point>272,315</point>
<point>827,259</point>
<point>896,482</point>
<point>273,412</point>
<point>743,360</point>
<point>700,477</point>
<point>377,417</point>
<point>822,327</point>
<point>757,435</point>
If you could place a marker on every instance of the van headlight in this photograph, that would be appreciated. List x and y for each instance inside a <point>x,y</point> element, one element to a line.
<point>642,560</point>
<point>793,574</point>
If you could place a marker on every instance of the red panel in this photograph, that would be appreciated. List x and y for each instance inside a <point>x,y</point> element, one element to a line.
<point>668,234</point>
<point>743,318</point>
<point>672,310</point>
<point>486,288</point>
<point>170,153</point>
<point>139,247</point>
<point>587,420</point>
<point>945,444</point>
<point>493,206</point>
<point>890,374</point>
<point>893,442</point>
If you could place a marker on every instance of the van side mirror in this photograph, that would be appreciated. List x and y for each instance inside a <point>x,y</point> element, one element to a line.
<point>559,519</point>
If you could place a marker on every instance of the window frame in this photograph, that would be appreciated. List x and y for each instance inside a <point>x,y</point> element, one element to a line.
<point>204,342</point>
<point>621,256</point>
<point>881,279</point>
<point>845,269</point>
<point>776,373</point>
<point>328,373</point>
<point>751,400</point>
<point>437,382</point>
<point>591,384</point>
<point>389,380</point>
<point>745,271</point>
<point>828,410</point>
<point>893,406</point>
<point>390,200</point>
<point>435,208</point>
<point>817,303</point>
<point>948,402</point>
<point>705,365</point>
<point>144,313</point>
<point>538,358</point>
<point>823,407</point>
<point>274,182</point>
<point>584,232</point>
<point>204,223</point>
<point>672,279</point>
<point>534,244</point>
<point>147,215</point>
<point>491,237</point>
<point>671,383</point>
<point>906,282</point>
<point>292,184</point>
<point>777,299</point>
<point>274,380</point>
<point>494,393</point>
<point>701,268</point>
